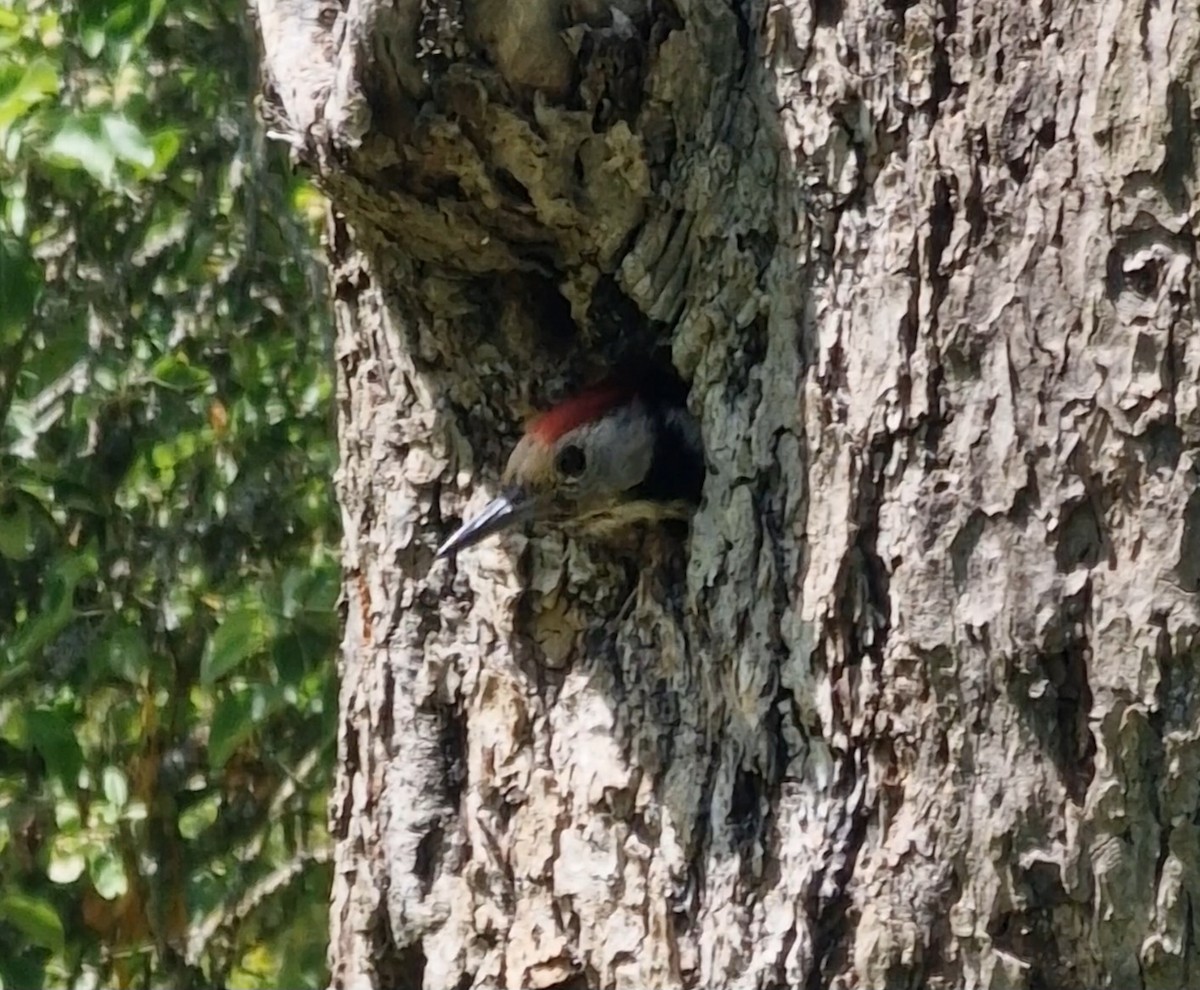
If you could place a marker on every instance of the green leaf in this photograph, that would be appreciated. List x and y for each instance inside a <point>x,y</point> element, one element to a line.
<point>165,144</point>
<point>92,40</point>
<point>115,787</point>
<point>202,815</point>
<point>49,28</point>
<point>133,19</point>
<point>108,876</point>
<point>289,657</point>
<point>38,81</point>
<point>16,530</point>
<point>174,371</point>
<point>322,589</point>
<point>14,726</point>
<point>16,214</point>
<point>127,656</point>
<point>232,724</point>
<point>21,280</point>
<point>240,636</point>
<point>35,918</point>
<point>54,738</point>
<point>162,455</point>
<point>127,141</point>
<point>26,971</point>
<point>293,589</point>
<point>67,815</point>
<point>78,146</point>
<point>66,864</point>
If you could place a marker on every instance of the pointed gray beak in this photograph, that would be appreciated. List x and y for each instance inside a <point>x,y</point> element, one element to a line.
<point>503,512</point>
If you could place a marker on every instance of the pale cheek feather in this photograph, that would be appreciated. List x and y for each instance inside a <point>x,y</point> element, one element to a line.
<point>531,464</point>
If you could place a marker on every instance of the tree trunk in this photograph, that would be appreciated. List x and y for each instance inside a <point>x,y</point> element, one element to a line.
<point>917,704</point>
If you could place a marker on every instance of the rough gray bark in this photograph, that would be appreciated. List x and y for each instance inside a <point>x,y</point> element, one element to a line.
<point>921,707</point>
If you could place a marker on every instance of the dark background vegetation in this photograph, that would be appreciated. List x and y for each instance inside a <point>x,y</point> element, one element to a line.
<point>168,574</point>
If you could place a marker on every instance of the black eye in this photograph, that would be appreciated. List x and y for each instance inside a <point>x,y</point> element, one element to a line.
<point>570,461</point>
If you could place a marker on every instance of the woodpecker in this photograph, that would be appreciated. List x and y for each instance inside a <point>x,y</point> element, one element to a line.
<point>623,451</point>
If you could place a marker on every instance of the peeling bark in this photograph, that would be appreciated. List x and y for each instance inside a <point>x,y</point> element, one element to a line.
<point>917,704</point>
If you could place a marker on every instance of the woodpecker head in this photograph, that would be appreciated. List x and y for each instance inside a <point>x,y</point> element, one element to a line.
<point>619,452</point>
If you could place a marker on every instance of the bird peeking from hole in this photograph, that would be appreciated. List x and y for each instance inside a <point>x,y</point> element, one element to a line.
<point>624,451</point>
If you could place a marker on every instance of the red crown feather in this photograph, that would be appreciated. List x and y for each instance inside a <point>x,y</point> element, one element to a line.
<point>588,405</point>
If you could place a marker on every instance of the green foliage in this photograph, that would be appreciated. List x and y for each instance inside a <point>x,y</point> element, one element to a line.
<point>168,574</point>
